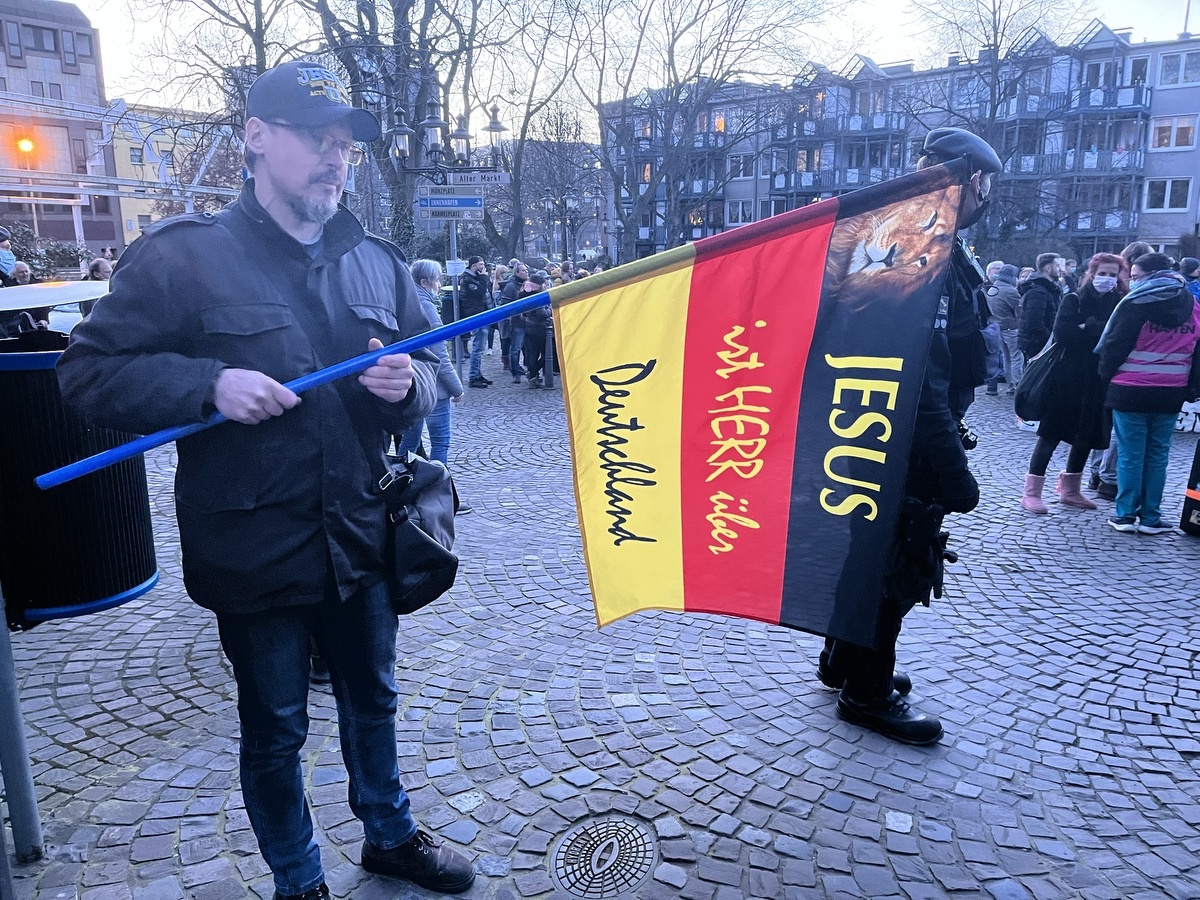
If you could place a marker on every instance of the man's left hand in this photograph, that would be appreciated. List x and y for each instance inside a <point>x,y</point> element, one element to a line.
<point>391,377</point>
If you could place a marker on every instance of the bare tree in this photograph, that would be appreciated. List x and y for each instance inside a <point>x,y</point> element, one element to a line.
<point>652,68</point>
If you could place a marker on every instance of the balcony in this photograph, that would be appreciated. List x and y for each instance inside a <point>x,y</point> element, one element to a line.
<point>1023,106</point>
<point>1133,99</point>
<point>873,123</point>
<point>786,183</point>
<point>808,129</point>
<point>1077,162</point>
<point>701,187</point>
<point>1112,222</point>
<point>709,140</point>
<point>861,177</point>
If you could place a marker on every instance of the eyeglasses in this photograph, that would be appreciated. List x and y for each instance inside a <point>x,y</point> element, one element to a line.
<point>320,143</point>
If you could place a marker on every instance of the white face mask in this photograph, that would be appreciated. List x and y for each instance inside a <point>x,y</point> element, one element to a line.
<point>1104,283</point>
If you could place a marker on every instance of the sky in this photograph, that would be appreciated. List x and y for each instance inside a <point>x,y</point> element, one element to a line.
<point>889,36</point>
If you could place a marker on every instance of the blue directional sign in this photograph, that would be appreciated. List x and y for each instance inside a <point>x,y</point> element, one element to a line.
<point>450,201</point>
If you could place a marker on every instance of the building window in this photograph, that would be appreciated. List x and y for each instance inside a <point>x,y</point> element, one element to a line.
<point>644,174</point>
<point>739,212</point>
<point>1168,194</point>
<point>83,44</point>
<point>3,84</point>
<point>68,42</point>
<point>12,40</point>
<point>768,208</point>
<point>34,37</point>
<point>1138,70</point>
<point>808,159</point>
<point>55,91</point>
<point>168,158</point>
<point>644,128</point>
<point>37,89</point>
<point>135,156</point>
<point>719,121</point>
<point>741,165</point>
<point>1179,68</point>
<point>101,205</point>
<point>772,162</point>
<point>1174,133</point>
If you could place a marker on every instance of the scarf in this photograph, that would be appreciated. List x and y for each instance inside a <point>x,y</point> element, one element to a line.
<point>1156,288</point>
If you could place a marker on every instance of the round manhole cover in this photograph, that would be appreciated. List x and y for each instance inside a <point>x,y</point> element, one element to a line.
<point>604,858</point>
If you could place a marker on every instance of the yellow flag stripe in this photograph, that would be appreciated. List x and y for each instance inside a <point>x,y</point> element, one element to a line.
<point>625,372</point>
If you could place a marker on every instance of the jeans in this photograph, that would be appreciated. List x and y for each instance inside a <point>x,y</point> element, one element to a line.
<point>516,345</point>
<point>269,652</point>
<point>478,345</point>
<point>1014,360</point>
<point>438,423</point>
<point>1103,463</point>
<point>535,352</point>
<point>1145,440</point>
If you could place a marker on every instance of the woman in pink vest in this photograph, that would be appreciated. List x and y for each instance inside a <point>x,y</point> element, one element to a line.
<point>1148,354</point>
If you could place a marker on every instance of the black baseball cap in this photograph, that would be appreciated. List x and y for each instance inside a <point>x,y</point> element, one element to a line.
<point>311,96</point>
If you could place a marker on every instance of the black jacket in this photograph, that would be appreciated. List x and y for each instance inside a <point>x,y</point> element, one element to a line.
<point>261,508</point>
<point>474,293</point>
<point>1040,298</point>
<point>1074,408</point>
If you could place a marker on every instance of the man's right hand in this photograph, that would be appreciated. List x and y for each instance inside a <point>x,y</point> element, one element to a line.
<point>242,395</point>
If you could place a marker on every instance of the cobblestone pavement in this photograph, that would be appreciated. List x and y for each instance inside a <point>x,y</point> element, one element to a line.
<point>1063,663</point>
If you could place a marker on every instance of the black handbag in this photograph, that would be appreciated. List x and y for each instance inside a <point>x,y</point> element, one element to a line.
<point>1035,392</point>
<point>420,500</point>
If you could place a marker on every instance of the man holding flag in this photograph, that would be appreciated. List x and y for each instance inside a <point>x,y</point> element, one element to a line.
<point>938,481</point>
<point>282,533</point>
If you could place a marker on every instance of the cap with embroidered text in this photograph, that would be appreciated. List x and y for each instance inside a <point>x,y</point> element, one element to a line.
<point>309,95</point>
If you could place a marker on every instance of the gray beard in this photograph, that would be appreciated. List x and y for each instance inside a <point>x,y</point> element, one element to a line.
<point>317,211</point>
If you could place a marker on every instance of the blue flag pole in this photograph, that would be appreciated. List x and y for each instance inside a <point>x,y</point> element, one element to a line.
<point>305,382</point>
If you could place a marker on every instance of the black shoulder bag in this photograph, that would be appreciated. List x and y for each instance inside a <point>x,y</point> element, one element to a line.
<point>420,502</point>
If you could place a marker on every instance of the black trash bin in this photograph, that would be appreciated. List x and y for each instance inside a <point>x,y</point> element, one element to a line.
<point>84,546</point>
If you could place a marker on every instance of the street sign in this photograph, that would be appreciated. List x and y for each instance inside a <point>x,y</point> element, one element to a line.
<point>460,214</point>
<point>480,178</point>
<point>448,190</point>
<point>456,267</point>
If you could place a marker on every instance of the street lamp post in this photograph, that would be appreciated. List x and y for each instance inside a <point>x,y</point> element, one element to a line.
<point>25,147</point>
<point>456,149</point>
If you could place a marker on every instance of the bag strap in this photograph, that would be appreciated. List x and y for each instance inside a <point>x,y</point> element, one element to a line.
<point>388,482</point>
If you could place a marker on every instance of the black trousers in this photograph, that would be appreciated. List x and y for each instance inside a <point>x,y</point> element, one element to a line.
<point>867,672</point>
<point>535,351</point>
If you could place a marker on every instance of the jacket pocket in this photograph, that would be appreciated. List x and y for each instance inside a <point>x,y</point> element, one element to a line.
<point>373,315</point>
<point>245,320</point>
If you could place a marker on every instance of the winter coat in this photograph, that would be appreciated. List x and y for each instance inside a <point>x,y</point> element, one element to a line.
<point>1075,412</point>
<point>261,508</point>
<point>1149,350</point>
<point>474,293</point>
<point>1004,303</point>
<point>1040,299</point>
<point>448,383</point>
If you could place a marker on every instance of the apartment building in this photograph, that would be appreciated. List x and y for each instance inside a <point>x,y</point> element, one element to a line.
<point>1098,137</point>
<point>52,105</point>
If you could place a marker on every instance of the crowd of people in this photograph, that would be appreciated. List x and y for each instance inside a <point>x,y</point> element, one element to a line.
<point>1117,345</point>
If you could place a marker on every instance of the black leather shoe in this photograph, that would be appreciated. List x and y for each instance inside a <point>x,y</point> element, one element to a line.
<point>423,861</point>
<point>321,892</point>
<point>893,718</point>
<point>1107,491</point>
<point>901,683</point>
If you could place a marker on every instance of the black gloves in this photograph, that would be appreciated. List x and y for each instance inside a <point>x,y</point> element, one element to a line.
<point>959,491</point>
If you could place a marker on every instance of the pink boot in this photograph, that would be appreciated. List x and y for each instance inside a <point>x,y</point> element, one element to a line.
<point>1068,491</point>
<point>1032,498</point>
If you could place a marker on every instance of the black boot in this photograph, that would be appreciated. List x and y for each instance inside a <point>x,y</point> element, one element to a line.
<point>901,683</point>
<point>321,892</point>
<point>423,861</point>
<point>892,717</point>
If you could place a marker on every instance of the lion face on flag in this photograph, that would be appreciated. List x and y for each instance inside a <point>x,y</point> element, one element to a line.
<point>887,254</point>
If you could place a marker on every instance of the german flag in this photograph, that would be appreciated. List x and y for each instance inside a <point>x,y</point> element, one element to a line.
<point>741,409</point>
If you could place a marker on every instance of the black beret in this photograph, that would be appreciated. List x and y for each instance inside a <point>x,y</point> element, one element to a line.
<point>957,143</point>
